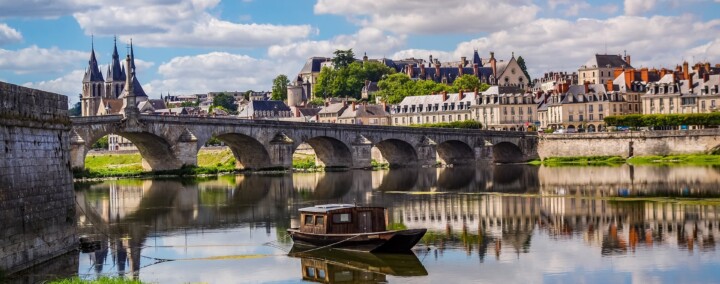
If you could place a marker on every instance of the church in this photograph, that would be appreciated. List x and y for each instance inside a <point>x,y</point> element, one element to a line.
<point>103,96</point>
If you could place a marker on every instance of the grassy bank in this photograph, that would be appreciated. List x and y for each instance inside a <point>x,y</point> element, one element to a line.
<point>669,160</point>
<point>580,161</point>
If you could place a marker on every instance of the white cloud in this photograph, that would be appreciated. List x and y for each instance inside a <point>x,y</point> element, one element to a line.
<point>563,45</point>
<point>371,40</point>
<point>34,59</point>
<point>69,85</point>
<point>216,71</point>
<point>432,17</point>
<point>576,7</point>
<point>184,23</point>
<point>44,8</point>
<point>638,7</point>
<point>9,35</point>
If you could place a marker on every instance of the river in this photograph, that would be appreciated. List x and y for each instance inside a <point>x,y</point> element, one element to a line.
<point>487,224</point>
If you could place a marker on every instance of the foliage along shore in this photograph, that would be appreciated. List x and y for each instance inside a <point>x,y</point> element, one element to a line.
<point>666,160</point>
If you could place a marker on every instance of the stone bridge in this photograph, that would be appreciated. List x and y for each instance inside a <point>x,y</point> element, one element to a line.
<point>170,142</point>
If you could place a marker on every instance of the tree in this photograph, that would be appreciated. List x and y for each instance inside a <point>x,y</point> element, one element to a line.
<point>226,101</point>
<point>348,81</point>
<point>521,63</point>
<point>279,89</point>
<point>76,110</point>
<point>324,80</point>
<point>469,82</point>
<point>374,71</point>
<point>343,58</point>
<point>189,104</point>
<point>101,143</point>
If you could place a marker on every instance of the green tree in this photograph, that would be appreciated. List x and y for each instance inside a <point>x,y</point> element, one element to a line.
<point>469,82</point>
<point>189,104</point>
<point>349,80</point>
<point>101,143</point>
<point>521,63</point>
<point>324,81</point>
<point>279,89</point>
<point>226,101</point>
<point>343,58</point>
<point>76,110</point>
<point>374,71</point>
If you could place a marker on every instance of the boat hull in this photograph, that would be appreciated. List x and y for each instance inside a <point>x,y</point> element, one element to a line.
<point>387,241</point>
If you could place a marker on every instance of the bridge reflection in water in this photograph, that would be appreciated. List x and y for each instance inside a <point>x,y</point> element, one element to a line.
<point>492,210</point>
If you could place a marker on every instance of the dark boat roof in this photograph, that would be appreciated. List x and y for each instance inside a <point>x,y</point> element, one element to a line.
<point>326,208</point>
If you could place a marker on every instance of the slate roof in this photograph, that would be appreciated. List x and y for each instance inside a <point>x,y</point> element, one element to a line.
<point>605,60</point>
<point>313,65</point>
<point>309,111</point>
<point>115,105</point>
<point>365,111</point>
<point>157,104</point>
<point>92,73</point>
<point>115,71</point>
<point>333,108</point>
<point>449,72</point>
<point>253,106</point>
<point>137,88</point>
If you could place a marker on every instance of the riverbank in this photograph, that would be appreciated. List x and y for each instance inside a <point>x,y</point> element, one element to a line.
<point>668,160</point>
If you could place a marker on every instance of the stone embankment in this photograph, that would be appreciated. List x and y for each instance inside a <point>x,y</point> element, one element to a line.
<point>628,144</point>
<point>37,201</point>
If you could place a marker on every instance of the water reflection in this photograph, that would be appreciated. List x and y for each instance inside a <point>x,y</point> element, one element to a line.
<point>493,214</point>
<point>337,266</point>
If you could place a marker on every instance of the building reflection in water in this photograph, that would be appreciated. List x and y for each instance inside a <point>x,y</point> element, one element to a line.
<point>486,210</point>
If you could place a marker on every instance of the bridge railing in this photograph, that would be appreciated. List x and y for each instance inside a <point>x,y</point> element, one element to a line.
<point>635,134</point>
<point>79,120</point>
<point>293,124</point>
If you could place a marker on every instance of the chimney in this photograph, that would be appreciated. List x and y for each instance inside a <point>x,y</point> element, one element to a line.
<point>437,69</point>
<point>422,71</point>
<point>493,64</point>
<point>627,59</point>
<point>460,69</point>
<point>327,104</point>
<point>686,70</point>
<point>410,70</point>
<point>476,94</point>
<point>461,94</point>
<point>476,70</point>
<point>706,76</point>
<point>663,71</point>
<point>629,77</point>
<point>617,72</point>
<point>444,96</point>
<point>609,86</point>
<point>463,60</point>
<point>707,67</point>
<point>690,84</point>
<point>353,106</point>
<point>587,86</point>
<point>431,61</point>
<point>644,74</point>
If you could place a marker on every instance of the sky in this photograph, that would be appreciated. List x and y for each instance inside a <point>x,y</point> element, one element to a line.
<point>200,46</point>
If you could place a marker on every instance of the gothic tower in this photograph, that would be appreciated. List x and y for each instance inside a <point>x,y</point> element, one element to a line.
<point>137,88</point>
<point>115,79</point>
<point>93,83</point>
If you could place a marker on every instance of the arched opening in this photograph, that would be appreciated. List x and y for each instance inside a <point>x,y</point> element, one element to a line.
<point>330,152</point>
<point>571,129</point>
<point>454,152</point>
<point>155,154</point>
<point>248,152</point>
<point>506,152</point>
<point>591,128</point>
<point>397,153</point>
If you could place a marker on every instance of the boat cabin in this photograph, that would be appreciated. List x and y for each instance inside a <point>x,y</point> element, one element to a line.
<point>342,219</point>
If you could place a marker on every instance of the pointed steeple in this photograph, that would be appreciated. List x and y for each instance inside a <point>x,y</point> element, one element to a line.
<point>132,57</point>
<point>92,73</point>
<point>476,58</point>
<point>115,73</point>
<point>137,87</point>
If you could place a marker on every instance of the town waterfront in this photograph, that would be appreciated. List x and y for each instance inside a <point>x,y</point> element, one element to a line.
<point>502,223</point>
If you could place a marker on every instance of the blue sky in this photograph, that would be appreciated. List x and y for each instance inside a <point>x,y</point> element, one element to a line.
<point>197,46</point>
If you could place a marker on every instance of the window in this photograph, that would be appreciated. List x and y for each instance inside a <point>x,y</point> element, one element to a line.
<point>310,272</point>
<point>309,220</point>
<point>341,218</point>
<point>320,220</point>
<point>570,117</point>
<point>321,273</point>
<point>580,117</point>
<point>590,108</point>
<point>600,116</point>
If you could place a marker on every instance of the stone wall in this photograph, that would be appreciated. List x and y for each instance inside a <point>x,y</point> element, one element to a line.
<point>37,201</point>
<point>628,144</point>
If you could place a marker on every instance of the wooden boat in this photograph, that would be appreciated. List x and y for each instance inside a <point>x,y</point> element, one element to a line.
<point>351,227</point>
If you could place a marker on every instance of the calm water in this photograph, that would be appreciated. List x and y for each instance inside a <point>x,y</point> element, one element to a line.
<point>510,224</point>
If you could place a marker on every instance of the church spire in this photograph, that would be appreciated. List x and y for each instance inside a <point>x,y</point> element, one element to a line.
<point>92,74</point>
<point>132,56</point>
<point>115,71</point>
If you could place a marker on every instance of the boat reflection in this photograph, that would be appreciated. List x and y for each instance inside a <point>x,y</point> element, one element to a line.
<point>339,266</point>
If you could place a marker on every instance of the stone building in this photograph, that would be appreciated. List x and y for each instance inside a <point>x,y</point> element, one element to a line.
<point>331,112</point>
<point>95,88</point>
<point>684,90</point>
<point>365,114</point>
<point>600,68</point>
<point>433,108</point>
<point>505,108</point>
<point>554,80</point>
<point>265,110</point>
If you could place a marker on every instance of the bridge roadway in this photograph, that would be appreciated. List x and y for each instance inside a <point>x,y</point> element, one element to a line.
<point>170,142</point>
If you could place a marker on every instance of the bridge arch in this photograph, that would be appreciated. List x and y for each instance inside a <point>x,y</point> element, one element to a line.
<point>249,152</point>
<point>157,153</point>
<point>507,152</point>
<point>330,152</point>
<point>397,153</point>
<point>452,152</point>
